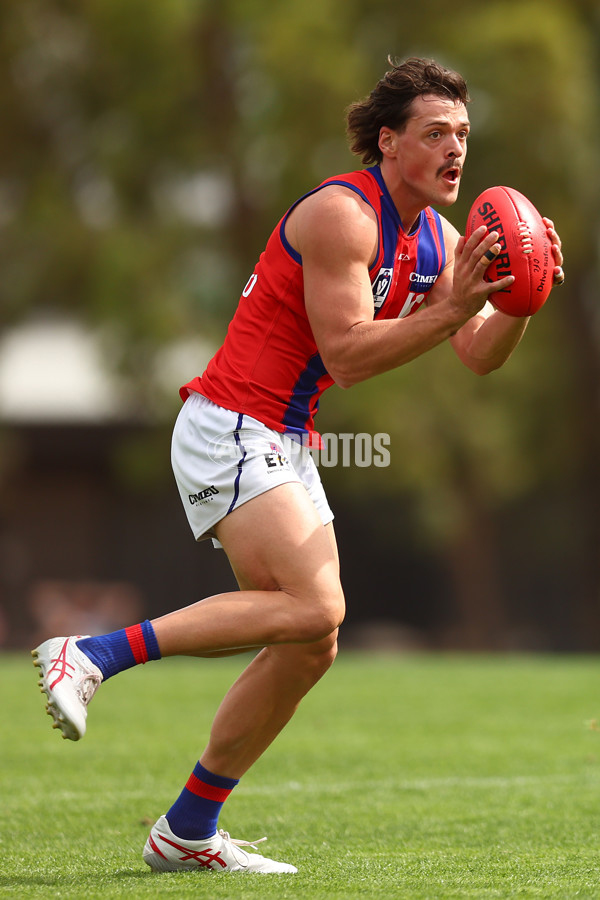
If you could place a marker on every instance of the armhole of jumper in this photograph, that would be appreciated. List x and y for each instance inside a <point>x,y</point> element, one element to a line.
<point>286,244</point>
<point>438,235</point>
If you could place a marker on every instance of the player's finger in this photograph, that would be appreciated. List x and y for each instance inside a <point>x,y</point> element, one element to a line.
<point>501,285</point>
<point>557,253</point>
<point>554,237</point>
<point>559,276</point>
<point>489,255</point>
<point>474,239</point>
<point>480,237</point>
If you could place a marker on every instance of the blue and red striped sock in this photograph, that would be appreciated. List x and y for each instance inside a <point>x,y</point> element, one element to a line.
<point>122,649</point>
<point>194,815</point>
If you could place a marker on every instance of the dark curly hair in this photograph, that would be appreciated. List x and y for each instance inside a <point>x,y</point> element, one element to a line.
<point>389,102</point>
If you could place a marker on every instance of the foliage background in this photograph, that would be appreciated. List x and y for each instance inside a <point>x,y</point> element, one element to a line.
<point>146,151</point>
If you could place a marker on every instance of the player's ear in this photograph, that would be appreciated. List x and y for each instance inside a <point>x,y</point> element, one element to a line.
<point>387,141</point>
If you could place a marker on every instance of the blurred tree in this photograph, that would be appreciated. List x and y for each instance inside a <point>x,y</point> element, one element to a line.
<point>535,66</point>
<point>466,447</point>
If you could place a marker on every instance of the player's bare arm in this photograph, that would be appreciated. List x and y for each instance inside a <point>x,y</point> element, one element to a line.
<point>336,234</point>
<point>488,338</point>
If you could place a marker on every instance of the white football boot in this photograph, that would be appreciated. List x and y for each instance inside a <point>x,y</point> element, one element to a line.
<point>164,852</point>
<point>69,679</point>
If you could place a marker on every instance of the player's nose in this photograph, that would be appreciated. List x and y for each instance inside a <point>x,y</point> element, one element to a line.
<point>454,147</point>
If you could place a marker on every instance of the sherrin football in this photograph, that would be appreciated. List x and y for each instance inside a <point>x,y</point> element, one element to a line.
<point>525,249</point>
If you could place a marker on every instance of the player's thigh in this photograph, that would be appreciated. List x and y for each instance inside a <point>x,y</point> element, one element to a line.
<point>276,541</point>
<point>291,657</point>
<point>247,581</point>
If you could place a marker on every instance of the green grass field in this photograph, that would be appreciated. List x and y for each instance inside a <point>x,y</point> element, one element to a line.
<point>401,776</point>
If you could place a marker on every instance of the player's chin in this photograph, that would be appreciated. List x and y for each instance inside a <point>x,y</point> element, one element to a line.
<point>447,192</point>
<point>446,198</point>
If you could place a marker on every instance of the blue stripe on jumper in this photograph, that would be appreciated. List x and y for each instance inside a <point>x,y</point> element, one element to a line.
<point>298,410</point>
<point>428,258</point>
<point>390,220</point>
<point>440,234</point>
<point>236,484</point>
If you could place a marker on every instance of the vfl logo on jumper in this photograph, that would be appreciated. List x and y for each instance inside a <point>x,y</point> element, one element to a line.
<point>381,287</point>
<point>204,496</point>
<point>276,459</point>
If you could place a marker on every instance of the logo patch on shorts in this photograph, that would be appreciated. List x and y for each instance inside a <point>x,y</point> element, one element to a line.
<point>204,496</point>
<point>276,459</point>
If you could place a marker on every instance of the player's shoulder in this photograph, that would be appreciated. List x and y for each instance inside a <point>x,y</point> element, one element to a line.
<point>334,213</point>
<point>451,236</point>
<point>335,195</point>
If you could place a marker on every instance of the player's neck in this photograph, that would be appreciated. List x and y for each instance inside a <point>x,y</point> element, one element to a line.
<point>407,202</point>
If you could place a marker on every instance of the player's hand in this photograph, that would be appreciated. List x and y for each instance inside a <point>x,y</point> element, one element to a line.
<point>471,258</point>
<point>559,275</point>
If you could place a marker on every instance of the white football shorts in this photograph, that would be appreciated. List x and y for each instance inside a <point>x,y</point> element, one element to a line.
<point>221,459</point>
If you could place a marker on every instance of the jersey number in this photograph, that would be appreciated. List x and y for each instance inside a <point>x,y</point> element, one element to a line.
<point>411,301</point>
<point>250,285</point>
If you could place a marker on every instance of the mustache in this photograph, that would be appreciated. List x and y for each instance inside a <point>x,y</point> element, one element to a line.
<point>454,164</point>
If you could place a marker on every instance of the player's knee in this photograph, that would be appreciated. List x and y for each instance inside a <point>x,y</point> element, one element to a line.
<point>336,609</point>
<point>316,658</point>
<point>326,657</point>
<point>321,660</point>
<point>325,615</point>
